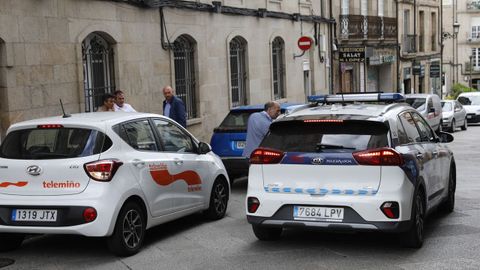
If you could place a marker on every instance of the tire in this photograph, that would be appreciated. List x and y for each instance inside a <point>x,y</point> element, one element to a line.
<point>267,233</point>
<point>218,200</point>
<point>449,205</point>
<point>129,232</point>
<point>464,127</point>
<point>452,126</point>
<point>10,241</point>
<point>413,238</point>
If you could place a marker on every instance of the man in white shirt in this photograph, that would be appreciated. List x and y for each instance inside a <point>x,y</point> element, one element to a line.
<point>120,104</point>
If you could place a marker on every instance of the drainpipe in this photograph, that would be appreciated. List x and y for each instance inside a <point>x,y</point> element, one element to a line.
<point>398,48</point>
<point>416,47</point>
<point>333,36</point>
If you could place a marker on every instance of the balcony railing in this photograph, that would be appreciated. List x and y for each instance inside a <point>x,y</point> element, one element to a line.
<point>409,44</point>
<point>366,27</point>
<point>473,5</point>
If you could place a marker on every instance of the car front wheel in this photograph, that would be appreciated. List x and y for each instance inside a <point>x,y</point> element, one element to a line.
<point>464,127</point>
<point>10,241</point>
<point>218,200</point>
<point>449,204</point>
<point>129,232</point>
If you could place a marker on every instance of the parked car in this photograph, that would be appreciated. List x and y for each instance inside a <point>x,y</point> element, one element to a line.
<point>471,103</point>
<point>429,106</point>
<point>453,115</point>
<point>228,139</point>
<point>351,167</point>
<point>110,175</point>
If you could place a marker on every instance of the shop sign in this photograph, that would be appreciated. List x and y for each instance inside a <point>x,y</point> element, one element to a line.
<point>389,58</point>
<point>434,71</point>
<point>352,54</point>
<point>418,69</point>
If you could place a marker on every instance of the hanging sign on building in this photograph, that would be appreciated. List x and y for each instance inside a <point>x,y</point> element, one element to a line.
<point>434,71</point>
<point>418,69</point>
<point>351,54</point>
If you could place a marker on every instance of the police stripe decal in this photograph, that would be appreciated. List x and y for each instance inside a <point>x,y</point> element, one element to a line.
<point>321,191</point>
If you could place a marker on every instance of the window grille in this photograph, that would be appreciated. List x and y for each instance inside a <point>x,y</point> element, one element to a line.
<point>185,83</point>
<point>278,63</point>
<point>98,71</point>
<point>238,71</point>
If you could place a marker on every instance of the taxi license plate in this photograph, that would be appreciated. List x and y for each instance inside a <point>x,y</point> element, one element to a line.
<point>240,144</point>
<point>318,213</point>
<point>38,215</point>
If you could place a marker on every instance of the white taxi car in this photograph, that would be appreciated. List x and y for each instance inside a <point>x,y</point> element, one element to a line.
<point>351,166</point>
<point>105,174</point>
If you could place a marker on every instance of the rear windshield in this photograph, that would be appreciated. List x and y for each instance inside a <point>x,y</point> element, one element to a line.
<point>417,103</point>
<point>236,120</point>
<point>471,100</point>
<point>53,143</point>
<point>347,136</point>
<point>446,106</point>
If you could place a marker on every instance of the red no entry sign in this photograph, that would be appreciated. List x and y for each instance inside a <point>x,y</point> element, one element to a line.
<point>304,43</point>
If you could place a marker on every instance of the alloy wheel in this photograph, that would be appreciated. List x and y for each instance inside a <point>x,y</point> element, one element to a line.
<point>220,198</point>
<point>132,228</point>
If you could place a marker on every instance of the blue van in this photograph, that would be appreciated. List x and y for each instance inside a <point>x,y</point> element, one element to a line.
<point>228,139</point>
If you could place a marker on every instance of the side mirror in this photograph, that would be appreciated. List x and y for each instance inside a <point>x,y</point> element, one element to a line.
<point>445,137</point>
<point>204,148</point>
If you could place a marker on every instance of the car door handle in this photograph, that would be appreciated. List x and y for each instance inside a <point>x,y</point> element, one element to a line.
<point>178,161</point>
<point>419,156</point>
<point>138,163</point>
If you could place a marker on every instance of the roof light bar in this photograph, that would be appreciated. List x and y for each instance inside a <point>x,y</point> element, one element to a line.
<point>361,97</point>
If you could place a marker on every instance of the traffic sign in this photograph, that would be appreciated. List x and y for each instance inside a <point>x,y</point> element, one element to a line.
<point>304,43</point>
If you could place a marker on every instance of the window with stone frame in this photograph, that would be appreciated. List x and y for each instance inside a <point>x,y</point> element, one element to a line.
<point>278,68</point>
<point>98,70</point>
<point>238,71</point>
<point>185,76</point>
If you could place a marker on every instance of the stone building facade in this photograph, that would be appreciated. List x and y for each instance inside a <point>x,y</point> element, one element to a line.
<point>217,55</point>
<point>419,28</point>
<point>366,46</point>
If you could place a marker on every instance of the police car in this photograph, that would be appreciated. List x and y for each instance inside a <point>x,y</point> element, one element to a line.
<point>345,164</point>
<point>105,174</point>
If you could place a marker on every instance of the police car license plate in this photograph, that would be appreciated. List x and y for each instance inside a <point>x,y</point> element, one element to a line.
<point>38,215</point>
<point>240,144</point>
<point>318,213</point>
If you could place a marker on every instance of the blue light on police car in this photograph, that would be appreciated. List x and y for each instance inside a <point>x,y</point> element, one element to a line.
<point>360,97</point>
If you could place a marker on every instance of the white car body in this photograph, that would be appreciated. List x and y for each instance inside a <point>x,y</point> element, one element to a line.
<point>334,181</point>
<point>167,184</point>
<point>453,115</point>
<point>471,103</point>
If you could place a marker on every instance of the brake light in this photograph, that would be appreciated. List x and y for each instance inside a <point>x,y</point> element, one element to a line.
<point>252,204</point>
<point>102,170</point>
<point>390,209</point>
<point>323,121</point>
<point>379,157</point>
<point>266,156</point>
<point>49,126</point>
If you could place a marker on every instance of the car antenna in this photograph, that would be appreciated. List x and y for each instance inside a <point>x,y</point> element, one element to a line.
<point>65,115</point>
<point>343,99</point>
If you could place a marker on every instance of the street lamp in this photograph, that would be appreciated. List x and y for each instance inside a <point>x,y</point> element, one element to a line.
<point>456,29</point>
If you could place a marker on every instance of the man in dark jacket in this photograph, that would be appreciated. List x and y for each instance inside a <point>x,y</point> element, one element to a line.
<point>174,107</point>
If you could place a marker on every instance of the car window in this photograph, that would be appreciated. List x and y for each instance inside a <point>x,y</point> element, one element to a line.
<point>139,135</point>
<point>430,104</point>
<point>424,129</point>
<point>416,103</point>
<point>173,138</point>
<point>446,106</point>
<point>54,143</point>
<point>236,120</point>
<point>347,136</point>
<point>410,127</point>
<point>469,100</point>
<point>402,135</point>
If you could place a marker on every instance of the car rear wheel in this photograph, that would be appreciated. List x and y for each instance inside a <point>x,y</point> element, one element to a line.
<point>129,232</point>
<point>10,241</point>
<point>464,127</point>
<point>413,238</point>
<point>218,200</point>
<point>449,204</point>
<point>267,233</point>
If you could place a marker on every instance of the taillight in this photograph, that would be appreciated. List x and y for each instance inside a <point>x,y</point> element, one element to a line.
<point>102,170</point>
<point>390,209</point>
<point>380,156</point>
<point>89,214</point>
<point>252,204</point>
<point>265,156</point>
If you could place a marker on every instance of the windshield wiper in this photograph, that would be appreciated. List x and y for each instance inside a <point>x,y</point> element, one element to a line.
<point>322,146</point>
